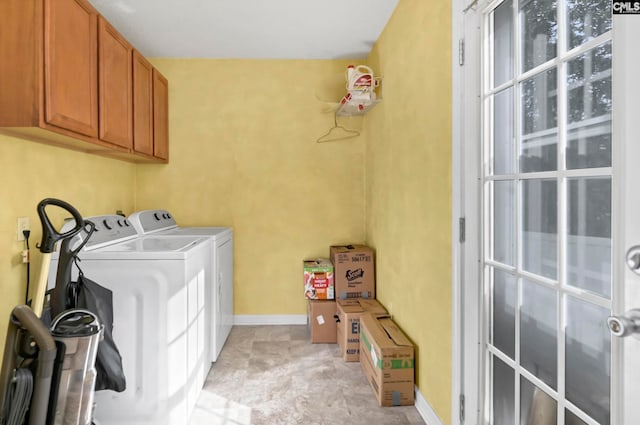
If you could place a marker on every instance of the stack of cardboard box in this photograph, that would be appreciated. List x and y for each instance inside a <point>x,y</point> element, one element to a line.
<point>347,276</point>
<point>342,308</point>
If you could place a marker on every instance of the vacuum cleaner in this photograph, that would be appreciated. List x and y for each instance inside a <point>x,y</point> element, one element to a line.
<point>48,373</point>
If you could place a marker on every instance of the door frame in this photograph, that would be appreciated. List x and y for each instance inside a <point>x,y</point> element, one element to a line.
<point>456,213</point>
<point>467,367</point>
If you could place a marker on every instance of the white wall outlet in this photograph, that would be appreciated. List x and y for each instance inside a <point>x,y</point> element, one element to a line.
<point>23,224</point>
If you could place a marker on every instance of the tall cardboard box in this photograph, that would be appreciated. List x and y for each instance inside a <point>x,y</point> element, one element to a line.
<point>318,279</point>
<point>354,271</point>
<point>387,360</point>
<point>322,322</point>
<point>349,312</point>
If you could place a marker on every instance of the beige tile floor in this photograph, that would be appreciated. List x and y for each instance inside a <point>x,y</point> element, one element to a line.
<point>273,375</point>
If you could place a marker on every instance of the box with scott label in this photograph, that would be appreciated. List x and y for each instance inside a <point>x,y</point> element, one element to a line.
<point>354,271</point>
<point>318,279</point>
<point>387,360</point>
<point>349,312</point>
<point>322,321</point>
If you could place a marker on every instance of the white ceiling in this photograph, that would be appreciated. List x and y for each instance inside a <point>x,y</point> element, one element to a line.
<point>250,29</point>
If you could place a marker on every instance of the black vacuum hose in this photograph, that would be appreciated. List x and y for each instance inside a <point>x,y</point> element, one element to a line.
<point>19,396</point>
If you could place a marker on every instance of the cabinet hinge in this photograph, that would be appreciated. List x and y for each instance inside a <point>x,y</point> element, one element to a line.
<point>461,52</point>
<point>463,231</point>
<point>461,407</point>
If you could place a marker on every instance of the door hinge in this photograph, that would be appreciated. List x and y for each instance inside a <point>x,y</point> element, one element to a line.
<point>463,230</point>
<point>461,407</point>
<point>461,52</point>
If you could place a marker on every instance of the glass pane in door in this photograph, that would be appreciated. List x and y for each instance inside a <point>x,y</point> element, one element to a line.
<point>503,128</point>
<point>503,390</point>
<point>503,45</point>
<point>589,234</point>
<point>587,19</point>
<point>539,332</point>
<point>536,406</point>
<point>539,227</point>
<point>589,109</point>
<point>504,207</point>
<point>539,32</point>
<point>539,143</point>
<point>571,419</point>
<point>504,312</point>
<point>588,358</point>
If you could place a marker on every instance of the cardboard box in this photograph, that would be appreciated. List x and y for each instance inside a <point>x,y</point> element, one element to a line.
<point>354,271</point>
<point>349,312</point>
<point>322,322</point>
<point>387,360</point>
<point>318,279</point>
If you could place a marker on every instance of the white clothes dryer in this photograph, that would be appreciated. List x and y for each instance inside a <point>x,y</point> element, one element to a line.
<point>158,287</point>
<point>220,290</point>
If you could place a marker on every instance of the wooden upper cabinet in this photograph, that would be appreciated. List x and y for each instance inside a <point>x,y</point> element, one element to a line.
<point>160,116</point>
<point>68,78</point>
<point>142,105</point>
<point>114,76</point>
<point>71,66</point>
<point>20,37</point>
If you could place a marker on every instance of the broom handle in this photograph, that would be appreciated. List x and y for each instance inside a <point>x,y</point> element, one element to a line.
<point>41,287</point>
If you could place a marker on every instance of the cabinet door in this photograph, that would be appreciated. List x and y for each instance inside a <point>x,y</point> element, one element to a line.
<point>71,66</point>
<point>142,105</point>
<point>160,115</point>
<point>114,65</point>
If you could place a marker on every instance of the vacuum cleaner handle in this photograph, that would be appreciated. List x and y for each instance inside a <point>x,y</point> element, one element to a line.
<point>49,233</point>
<point>49,238</point>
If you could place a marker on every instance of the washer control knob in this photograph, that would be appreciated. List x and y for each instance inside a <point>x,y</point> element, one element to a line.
<point>107,224</point>
<point>156,216</point>
<point>126,222</point>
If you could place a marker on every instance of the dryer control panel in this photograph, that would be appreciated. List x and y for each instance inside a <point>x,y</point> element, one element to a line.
<point>150,221</point>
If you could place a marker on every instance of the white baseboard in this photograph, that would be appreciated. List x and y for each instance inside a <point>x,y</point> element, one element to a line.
<point>426,411</point>
<point>267,319</point>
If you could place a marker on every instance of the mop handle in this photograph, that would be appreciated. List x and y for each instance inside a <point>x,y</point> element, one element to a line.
<point>49,238</point>
<point>41,287</point>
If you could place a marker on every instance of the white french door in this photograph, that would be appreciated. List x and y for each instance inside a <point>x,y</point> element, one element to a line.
<point>556,206</point>
<point>626,201</point>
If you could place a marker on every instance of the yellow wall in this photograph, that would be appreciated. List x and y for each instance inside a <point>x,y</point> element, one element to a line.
<point>30,172</point>
<point>243,154</point>
<point>408,186</point>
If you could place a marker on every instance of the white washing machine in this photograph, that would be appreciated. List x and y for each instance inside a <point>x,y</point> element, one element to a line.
<point>220,290</point>
<point>158,287</point>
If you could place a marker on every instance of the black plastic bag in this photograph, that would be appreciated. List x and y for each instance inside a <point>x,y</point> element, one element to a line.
<point>99,300</point>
